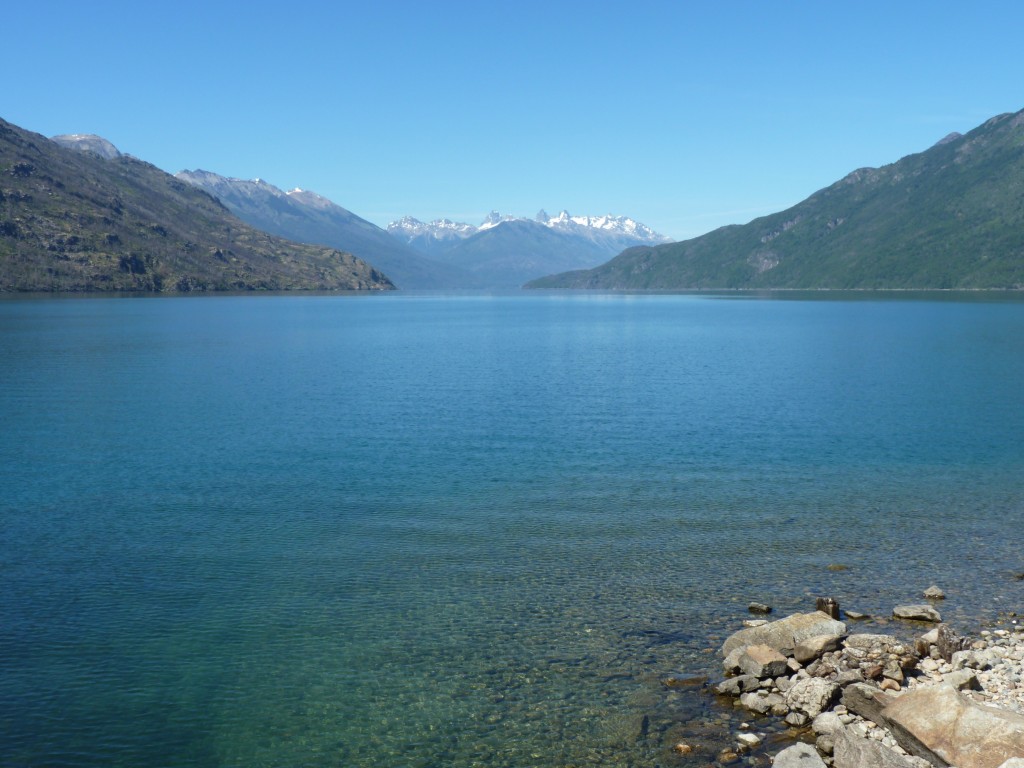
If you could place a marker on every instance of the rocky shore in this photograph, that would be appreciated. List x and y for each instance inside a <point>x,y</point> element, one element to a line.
<point>866,700</point>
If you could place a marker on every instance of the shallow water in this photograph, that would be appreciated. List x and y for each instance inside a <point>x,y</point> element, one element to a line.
<point>474,530</point>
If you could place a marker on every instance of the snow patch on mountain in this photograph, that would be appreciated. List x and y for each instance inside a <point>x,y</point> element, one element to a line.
<point>409,228</point>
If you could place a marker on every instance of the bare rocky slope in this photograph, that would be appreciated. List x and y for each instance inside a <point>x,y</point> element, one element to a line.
<point>79,221</point>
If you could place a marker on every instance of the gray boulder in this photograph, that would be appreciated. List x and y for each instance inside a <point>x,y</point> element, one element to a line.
<point>916,613</point>
<point>963,680</point>
<point>798,756</point>
<point>813,647</point>
<point>764,703</point>
<point>762,661</point>
<point>945,727</point>
<point>812,696</point>
<point>850,750</point>
<point>734,686</point>
<point>784,634</point>
<point>826,723</point>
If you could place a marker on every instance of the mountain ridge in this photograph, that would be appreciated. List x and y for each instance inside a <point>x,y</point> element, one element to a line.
<point>506,251</point>
<point>73,220</point>
<point>308,217</point>
<point>951,216</point>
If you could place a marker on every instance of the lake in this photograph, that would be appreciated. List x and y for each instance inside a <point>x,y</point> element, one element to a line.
<point>474,529</point>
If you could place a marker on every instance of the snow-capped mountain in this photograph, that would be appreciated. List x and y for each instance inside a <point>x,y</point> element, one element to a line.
<point>506,251</point>
<point>620,225</point>
<point>448,232</point>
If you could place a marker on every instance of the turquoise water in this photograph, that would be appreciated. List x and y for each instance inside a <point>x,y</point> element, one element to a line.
<point>473,530</point>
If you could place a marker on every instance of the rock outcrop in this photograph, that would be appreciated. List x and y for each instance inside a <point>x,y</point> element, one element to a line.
<point>783,635</point>
<point>876,701</point>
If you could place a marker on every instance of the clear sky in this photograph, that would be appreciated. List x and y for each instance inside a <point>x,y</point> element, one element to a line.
<point>683,115</point>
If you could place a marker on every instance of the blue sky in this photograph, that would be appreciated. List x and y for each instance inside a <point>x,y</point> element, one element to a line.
<point>683,115</point>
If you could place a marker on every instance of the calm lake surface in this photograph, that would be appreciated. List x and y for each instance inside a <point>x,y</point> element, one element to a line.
<point>472,530</point>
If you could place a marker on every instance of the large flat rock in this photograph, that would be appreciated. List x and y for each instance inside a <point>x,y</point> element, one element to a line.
<point>954,728</point>
<point>784,635</point>
<point>854,751</point>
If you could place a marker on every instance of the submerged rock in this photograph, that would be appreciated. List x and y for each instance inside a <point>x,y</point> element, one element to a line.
<point>916,613</point>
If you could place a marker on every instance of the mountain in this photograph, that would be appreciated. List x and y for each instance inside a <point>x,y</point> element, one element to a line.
<point>506,251</point>
<point>433,238</point>
<point>75,220</point>
<point>949,217</point>
<point>310,218</point>
<point>88,142</point>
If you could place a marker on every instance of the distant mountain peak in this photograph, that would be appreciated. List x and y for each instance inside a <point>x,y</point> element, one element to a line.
<point>409,228</point>
<point>88,142</point>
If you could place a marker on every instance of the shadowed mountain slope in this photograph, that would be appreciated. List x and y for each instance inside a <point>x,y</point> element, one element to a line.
<point>78,221</point>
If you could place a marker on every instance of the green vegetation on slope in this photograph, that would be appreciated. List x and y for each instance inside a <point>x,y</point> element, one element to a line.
<point>74,221</point>
<point>949,217</point>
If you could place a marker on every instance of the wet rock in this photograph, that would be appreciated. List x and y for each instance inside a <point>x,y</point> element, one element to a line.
<point>682,748</point>
<point>784,634</point>
<point>934,593</point>
<point>734,686</point>
<point>763,702</point>
<point>938,723</point>
<point>759,608</point>
<point>748,740</point>
<point>812,696</point>
<point>857,615</point>
<point>685,681</point>
<point>754,622</point>
<point>828,606</point>
<point>916,613</point>
<point>762,661</point>
<point>813,647</point>
<point>851,750</point>
<point>798,756</point>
